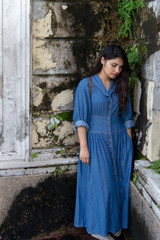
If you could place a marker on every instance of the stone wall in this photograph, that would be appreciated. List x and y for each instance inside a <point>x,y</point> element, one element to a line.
<point>147,91</point>
<point>67,38</point>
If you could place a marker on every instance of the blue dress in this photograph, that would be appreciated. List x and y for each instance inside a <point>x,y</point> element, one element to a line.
<point>102,194</point>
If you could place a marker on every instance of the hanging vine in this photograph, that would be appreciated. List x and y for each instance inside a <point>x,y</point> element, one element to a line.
<point>127,10</point>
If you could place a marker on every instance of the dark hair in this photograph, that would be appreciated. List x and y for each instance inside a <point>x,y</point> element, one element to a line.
<point>121,81</point>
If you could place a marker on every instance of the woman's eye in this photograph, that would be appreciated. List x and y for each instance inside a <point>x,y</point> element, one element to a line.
<point>113,65</point>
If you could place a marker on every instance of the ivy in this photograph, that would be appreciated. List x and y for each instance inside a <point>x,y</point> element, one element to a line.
<point>127,10</point>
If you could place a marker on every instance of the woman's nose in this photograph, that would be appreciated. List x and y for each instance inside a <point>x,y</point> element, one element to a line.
<point>118,69</point>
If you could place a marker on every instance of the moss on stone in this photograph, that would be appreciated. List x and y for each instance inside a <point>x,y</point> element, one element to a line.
<point>66,115</point>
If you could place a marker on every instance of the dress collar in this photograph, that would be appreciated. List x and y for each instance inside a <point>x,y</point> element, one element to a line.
<point>99,84</point>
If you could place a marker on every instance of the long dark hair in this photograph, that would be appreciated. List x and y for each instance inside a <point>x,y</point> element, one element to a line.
<point>121,81</point>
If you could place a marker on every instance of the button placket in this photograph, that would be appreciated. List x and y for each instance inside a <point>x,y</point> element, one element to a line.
<point>110,139</point>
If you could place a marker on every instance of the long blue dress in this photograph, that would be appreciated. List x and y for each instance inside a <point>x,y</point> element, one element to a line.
<point>102,194</point>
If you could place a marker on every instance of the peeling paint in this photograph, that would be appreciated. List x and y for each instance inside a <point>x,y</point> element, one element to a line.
<point>64,7</point>
<point>42,27</point>
<point>42,58</point>
<point>137,98</point>
<point>66,134</point>
<point>155,5</point>
<point>62,99</point>
<point>149,104</point>
<point>151,148</point>
<point>37,96</point>
<point>41,126</point>
<point>138,136</point>
<point>34,136</point>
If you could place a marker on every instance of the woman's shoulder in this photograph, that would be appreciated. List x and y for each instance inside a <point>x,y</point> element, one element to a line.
<point>84,83</point>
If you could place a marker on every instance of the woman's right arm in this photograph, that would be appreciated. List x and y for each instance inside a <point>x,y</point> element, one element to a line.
<point>84,152</point>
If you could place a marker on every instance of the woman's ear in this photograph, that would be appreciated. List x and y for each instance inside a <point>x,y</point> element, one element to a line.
<point>102,60</point>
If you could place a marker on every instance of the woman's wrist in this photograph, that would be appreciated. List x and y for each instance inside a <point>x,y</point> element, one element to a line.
<point>84,147</point>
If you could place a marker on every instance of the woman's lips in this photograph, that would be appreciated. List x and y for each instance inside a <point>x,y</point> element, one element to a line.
<point>115,75</point>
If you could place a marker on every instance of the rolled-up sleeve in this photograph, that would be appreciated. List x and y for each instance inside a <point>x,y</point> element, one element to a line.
<point>127,115</point>
<point>82,105</point>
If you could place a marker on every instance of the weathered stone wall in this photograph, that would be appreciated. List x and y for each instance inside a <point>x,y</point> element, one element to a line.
<point>147,92</point>
<point>67,38</point>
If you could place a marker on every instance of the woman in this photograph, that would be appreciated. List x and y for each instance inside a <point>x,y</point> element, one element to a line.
<point>103,120</point>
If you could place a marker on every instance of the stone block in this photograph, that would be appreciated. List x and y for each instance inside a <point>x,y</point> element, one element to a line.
<point>42,56</point>
<point>143,224</point>
<point>64,56</point>
<point>151,68</point>
<point>37,96</point>
<point>42,28</point>
<point>63,101</point>
<point>81,16</point>
<point>66,134</point>
<point>56,83</point>
<point>148,184</point>
<point>39,9</point>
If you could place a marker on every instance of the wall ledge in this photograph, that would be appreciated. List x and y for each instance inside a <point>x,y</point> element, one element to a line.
<point>46,162</point>
<point>148,184</point>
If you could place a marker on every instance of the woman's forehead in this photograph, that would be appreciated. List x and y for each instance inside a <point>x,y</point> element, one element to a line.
<point>117,60</point>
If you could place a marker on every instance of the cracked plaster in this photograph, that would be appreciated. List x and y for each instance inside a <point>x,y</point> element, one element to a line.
<point>42,27</point>
<point>62,99</point>
<point>42,57</point>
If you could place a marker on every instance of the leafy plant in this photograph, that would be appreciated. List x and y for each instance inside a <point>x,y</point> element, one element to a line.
<point>44,90</point>
<point>138,155</point>
<point>34,155</point>
<point>61,151</point>
<point>53,127</point>
<point>58,171</point>
<point>55,138</point>
<point>135,58</point>
<point>66,115</point>
<point>156,166</point>
<point>56,120</point>
<point>134,178</point>
<point>127,10</point>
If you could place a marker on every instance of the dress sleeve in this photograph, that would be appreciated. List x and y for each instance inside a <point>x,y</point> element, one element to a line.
<point>82,105</point>
<point>127,115</point>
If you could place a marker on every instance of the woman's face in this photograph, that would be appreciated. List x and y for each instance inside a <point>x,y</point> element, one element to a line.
<point>111,68</point>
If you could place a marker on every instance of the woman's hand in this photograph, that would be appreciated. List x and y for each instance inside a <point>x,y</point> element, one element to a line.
<point>129,131</point>
<point>84,152</point>
<point>84,155</point>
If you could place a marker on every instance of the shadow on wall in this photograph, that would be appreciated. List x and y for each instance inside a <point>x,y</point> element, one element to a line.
<point>42,209</point>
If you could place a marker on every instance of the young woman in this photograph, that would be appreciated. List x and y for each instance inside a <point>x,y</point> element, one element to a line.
<point>103,120</point>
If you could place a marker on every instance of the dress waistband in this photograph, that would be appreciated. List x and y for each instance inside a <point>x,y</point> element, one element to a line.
<point>105,124</point>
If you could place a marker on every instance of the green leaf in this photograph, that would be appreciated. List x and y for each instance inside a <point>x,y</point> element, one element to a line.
<point>34,155</point>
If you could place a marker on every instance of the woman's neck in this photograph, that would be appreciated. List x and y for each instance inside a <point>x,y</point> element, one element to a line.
<point>105,80</point>
<point>104,77</point>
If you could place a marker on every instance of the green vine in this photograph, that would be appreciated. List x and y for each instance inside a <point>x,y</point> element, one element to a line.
<point>135,58</point>
<point>156,166</point>
<point>134,178</point>
<point>127,10</point>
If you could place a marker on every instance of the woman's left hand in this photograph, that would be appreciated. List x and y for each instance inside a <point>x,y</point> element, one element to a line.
<point>129,131</point>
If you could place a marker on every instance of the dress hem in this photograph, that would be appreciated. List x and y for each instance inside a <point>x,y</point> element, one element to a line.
<point>114,232</point>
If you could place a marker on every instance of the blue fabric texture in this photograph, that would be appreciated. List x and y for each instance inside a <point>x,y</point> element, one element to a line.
<point>102,193</point>
<point>80,123</point>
